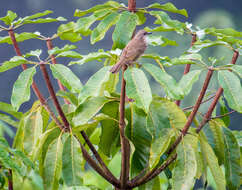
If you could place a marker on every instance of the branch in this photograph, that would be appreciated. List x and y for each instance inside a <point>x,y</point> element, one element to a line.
<point>125,146</point>
<point>156,171</point>
<point>215,101</point>
<point>34,86</point>
<point>220,116</point>
<point>53,60</point>
<point>132,5</point>
<point>188,66</point>
<point>53,96</point>
<point>10,180</point>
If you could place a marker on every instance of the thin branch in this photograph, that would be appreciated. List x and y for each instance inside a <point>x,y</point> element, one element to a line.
<point>53,60</point>
<point>188,66</point>
<point>190,107</point>
<point>34,86</point>
<point>224,115</point>
<point>10,180</point>
<point>132,5</point>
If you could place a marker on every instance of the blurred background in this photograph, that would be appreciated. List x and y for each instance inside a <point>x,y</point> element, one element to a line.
<point>204,13</point>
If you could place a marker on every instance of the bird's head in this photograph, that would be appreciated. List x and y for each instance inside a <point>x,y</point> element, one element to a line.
<point>141,34</point>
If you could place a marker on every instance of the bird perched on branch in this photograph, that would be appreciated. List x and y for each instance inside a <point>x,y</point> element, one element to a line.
<point>132,51</point>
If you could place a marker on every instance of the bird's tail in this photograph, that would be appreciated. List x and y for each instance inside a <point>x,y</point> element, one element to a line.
<point>116,67</point>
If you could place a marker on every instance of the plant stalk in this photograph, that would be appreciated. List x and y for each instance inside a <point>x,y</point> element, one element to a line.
<point>53,60</point>
<point>10,180</point>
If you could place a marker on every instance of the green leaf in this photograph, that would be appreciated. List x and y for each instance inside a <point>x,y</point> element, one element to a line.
<point>139,136</point>
<point>7,108</point>
<point>160,41</point>
<point>108,5</point>
<point>88,109</point>
<point>69,96</point>
<point>237,69</point>
<point>37,15</point>
<point>9,18</point>
<point>166,81</point>
<point>66,77</point>
<point>185,170</point>
<point>216,128</point>
<point>168,7</point>
<point>223,31</point>
<point>57,50</point>
<point>141,18</point>
<point>72,162</point>
<point>109,129</point>
<point>124,29</point>
<point>35,53</point>
<point>232,89</point>
<point>83,24</point>
<point>224,111</point>
<point>44,20</point>
<point>13,62</point>
<point>33,128</point>
<point>5,129</point>
<point>53,164</point>
<point>66,32</point>
<point>91,57</point>
<point>101,29</point>
<point>20,155</point>
<point>8,120</point>
<point>20,37</point>
<point>163,18</point>
<point>159,145</point>
<point>232,160</point>
<point>188,80</point>
<point>138,88</point>
<point>95,86</point>
<point>21,88</point>
<point>212,162</point>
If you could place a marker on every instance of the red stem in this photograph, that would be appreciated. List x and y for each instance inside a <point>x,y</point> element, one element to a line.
<point>132,5</point>
<point>10,180</point>
<point>52,94</point>
<point>53,60</point>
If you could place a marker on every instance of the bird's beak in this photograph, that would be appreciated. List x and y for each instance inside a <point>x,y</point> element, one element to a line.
<point>149,33</point>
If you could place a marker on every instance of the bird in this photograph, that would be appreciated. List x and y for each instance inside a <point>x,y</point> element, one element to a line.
<point>132,51</point>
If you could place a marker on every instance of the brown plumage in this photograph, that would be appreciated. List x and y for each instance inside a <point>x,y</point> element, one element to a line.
<point>132,51</point>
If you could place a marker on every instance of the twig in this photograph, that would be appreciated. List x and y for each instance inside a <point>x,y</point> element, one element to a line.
<point>190,107</point>
<point>53,60</point>
<point>10,180</point>
<point>188,66</point>
<point>220,116</point>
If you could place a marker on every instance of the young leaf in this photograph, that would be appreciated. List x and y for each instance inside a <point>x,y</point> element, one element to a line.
<point>101,29</point>
<point>188,80</point>
<point>124,29</point>
<point>66,77</point>
<point>9,18</point>
<point>21,88</point>
<point>212,162</point>
<point>19,37</point>
<point>37,15</point>
<point>232,89</point>
<point>185,170</point>
<point>91,57</point>
<point>168,7</point>
<point>53,164</point>
<point>232,160</point>
<point>57,50</point>
<point>88,109</point>
<point>72,162</point>
<point>138,88</point>
<point>141,18</point>
<point>167,82</point>
<point>44,20</point>
<point>95,86</point>
<point>35,53</point>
